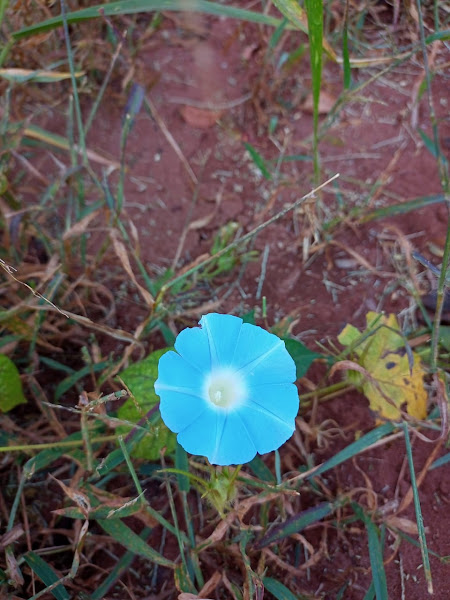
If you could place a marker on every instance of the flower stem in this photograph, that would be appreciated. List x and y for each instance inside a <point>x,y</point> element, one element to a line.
<point>326,393</point>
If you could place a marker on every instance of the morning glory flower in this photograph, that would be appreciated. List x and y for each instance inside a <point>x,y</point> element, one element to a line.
<point>228,390</point>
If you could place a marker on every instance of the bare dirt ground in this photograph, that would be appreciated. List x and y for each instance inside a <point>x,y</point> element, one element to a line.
<point>214,86</point>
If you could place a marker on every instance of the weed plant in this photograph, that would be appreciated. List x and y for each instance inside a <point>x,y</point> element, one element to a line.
<point>98,498</point>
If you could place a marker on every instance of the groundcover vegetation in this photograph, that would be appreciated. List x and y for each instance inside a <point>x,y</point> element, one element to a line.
<point>224,305</point>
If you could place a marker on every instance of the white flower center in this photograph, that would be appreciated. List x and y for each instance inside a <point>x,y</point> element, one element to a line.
<point>224,388</point>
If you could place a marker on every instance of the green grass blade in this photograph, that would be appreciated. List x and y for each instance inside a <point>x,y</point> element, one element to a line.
<point>376,561</point>
<point>3,6</point>
<point>116,457</point>
<point>280,591</point>
<point>70,381</point>
<point>370,594</point>
<point>429,143</point>
<point>440,159</point>
<point>129,7</point>
<point>355,448</point>
<point>70,60</point>
<point>418,510</point>
<point>104,512</point>
<point>182,464</point>
<point>57,366</point>
<point>314,11</point>
<point>49,455</point>
<point>345,52</point>
<point>277,34</point>
<point>441,36</point>
<point>403,207</point>
<point>297,523</point>
<point>443,559</point>
<point>375,554</point>
<point>46,574</point>
<point>440,462</point>
<point>121,566</point>
<point>130,540</point>
<point>258,160</point>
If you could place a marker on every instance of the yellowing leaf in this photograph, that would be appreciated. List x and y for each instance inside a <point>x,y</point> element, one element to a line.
<point>39,76</point>
<point>393,381</point>
<point>297,16</point>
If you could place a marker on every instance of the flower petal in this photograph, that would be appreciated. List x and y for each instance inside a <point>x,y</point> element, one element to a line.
<point>193,345</point>
<point>176,374</point>
<point>179,409</point>
<point>234,443</point>
<point>269,415</point>
<point>223,333</point>
<point>263,357</point>
<point>219,435</point>
<point>280,399</point>
<point>199,437</point>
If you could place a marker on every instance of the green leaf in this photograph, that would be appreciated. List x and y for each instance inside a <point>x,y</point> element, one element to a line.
<point>249,317</point>
<point>261,470</point>
<point>128,7</point>
<point>11,393</point>
<point>46,574</point>
<point>302,356</point>
<point>130,540</point>
<point>140,380</point>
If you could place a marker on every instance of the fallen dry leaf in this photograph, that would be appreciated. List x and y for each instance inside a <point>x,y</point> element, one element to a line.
<point>326,103</point>
<point>201,118</point>
<point>403,524</point>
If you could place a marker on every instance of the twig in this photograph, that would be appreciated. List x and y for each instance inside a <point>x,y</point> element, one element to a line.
<point>169,137</point>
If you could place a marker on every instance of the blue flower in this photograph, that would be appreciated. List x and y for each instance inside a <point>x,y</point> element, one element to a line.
<point>228,390</point>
